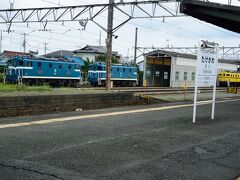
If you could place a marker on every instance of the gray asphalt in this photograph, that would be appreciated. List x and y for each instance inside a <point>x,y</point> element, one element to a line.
<point>140,146</point>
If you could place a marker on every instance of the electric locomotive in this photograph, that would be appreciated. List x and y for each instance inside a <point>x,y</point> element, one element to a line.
<point>121,75</point>
<point>37,71</point>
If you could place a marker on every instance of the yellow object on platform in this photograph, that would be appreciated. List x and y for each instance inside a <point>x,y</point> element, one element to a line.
<point>232,90</point>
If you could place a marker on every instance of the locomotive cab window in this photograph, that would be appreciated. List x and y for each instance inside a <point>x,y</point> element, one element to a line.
<point>39,65</point>
<point>60,66</point>
<point>123,69</point>
<point>117,69</point>
<point>130,69</point>
<point>77,67</point>
<point>14,63</point>
<point>69,66</point>
<point>99,68</point>
<point>50,65</point>
<point>20,63</point>
<point>29,63</point>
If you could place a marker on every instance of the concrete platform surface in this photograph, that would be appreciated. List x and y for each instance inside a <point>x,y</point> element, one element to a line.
<point>144,143</point>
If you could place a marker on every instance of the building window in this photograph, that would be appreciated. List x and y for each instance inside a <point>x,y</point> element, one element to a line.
<point>165,75</point>
<point>50,65</point>
<point>185,76</point>
<point>193,76</point>
<point>176,75</point>
<point>39,65</point>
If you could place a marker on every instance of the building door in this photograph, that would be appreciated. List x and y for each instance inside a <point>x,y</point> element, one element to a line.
<point>157,76</point>
<point>166,76</point>
<point>158,72</point>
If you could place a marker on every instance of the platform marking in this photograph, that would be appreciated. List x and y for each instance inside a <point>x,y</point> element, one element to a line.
<point>74,118</point>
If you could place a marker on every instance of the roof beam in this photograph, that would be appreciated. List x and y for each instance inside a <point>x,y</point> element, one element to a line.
<point>224,16</point>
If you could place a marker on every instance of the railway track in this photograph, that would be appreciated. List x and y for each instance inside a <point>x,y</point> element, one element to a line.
<point>158,90</point>
<point>154,90</point>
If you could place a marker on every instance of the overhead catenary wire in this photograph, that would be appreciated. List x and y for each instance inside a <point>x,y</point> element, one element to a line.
<point>121,20</point>
<point>182,35</point>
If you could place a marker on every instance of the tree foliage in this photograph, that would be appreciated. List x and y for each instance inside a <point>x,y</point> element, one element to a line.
<point>102,58</point>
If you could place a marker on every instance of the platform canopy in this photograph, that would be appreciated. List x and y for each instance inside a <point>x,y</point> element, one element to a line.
<point>225,16</point>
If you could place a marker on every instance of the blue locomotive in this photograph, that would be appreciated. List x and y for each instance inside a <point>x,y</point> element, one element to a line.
<point>32,70</point>
<point>121,75</point>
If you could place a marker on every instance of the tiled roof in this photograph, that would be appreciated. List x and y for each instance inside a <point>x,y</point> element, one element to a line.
<point>58,54</point>
<point>11,54</point>
<point>93,49</point>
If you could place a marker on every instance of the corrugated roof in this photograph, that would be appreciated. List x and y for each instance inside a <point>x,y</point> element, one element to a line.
<point>164,53</point>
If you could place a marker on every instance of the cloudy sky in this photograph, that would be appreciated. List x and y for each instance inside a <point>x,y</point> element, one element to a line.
<point>179,31</point>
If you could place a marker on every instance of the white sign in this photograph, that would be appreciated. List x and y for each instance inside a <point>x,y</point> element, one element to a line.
<point>206,69</point>
<point>206,72</point>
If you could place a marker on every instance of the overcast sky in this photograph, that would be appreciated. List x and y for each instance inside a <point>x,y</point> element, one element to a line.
<point>179,31</point>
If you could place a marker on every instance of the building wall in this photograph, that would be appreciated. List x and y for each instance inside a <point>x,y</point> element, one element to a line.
<point>186,65</point>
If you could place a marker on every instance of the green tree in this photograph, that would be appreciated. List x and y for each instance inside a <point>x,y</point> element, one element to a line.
<point>102,58</point>
<point>86,64</point>
<point>114,60</point>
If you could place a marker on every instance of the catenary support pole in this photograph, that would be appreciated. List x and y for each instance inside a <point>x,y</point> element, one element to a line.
<point>109,45</point>
<point>100,39</point>
<point>135,49</point>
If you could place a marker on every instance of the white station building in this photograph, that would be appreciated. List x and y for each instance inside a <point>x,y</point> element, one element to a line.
<point>171,69</point>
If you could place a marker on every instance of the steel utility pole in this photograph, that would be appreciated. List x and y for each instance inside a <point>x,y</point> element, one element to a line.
<point>45,48</point>
<point>135,48</point>
<point>24,42</point>
<point>100,39</point>
<point>109,45</point>
<point>1,41</point>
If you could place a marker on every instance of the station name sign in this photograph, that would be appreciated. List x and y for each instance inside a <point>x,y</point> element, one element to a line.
<point>206,69</point>
<point>206,72</point>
